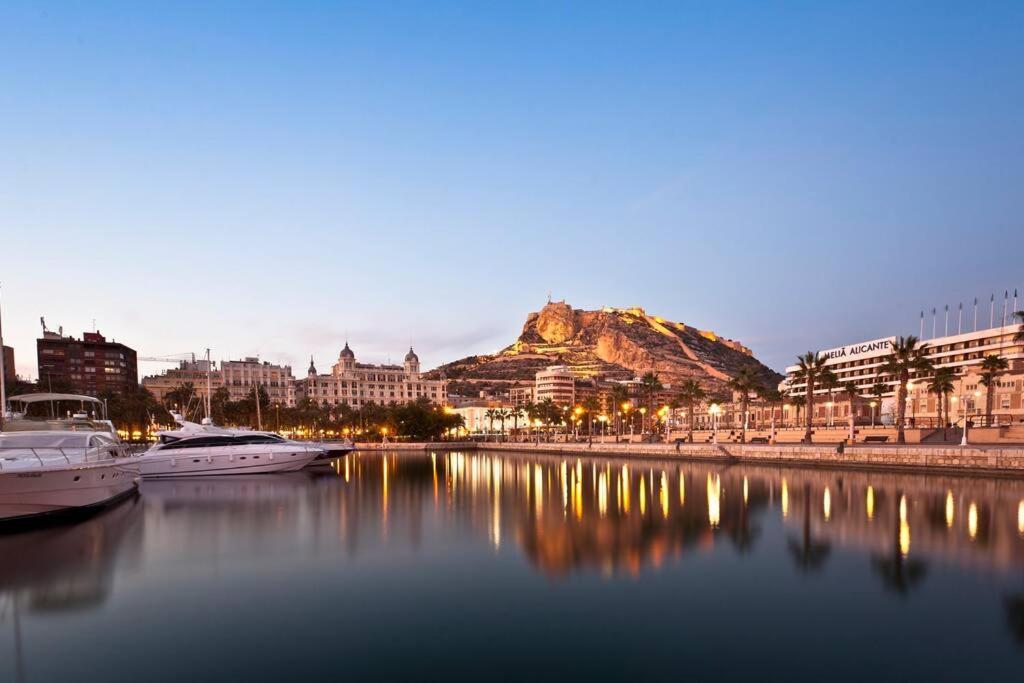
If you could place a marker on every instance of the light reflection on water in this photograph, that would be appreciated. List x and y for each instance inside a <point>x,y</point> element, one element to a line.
<point>380,549</point>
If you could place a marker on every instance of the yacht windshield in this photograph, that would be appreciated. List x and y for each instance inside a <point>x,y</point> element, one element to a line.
<point>47,440</point>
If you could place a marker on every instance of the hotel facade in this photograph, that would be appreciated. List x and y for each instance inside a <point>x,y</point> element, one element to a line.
<point>862,363</point>
<point>237,376</point>
<point>358,384</point>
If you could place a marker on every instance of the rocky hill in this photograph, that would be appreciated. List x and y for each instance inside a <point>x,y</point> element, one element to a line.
<point>611,343</point>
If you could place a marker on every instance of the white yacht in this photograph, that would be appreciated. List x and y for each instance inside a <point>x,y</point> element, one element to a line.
<point>51,465</point>
<point>204,449</point>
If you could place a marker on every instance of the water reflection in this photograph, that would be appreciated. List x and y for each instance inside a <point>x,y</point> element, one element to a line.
<point>423,536</point>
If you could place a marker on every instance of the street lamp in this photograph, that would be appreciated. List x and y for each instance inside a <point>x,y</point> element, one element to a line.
<point>603,419</point>
<point>714,409</point>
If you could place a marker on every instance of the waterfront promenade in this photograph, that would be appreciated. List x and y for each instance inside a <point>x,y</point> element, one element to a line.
<point>1003,460</point>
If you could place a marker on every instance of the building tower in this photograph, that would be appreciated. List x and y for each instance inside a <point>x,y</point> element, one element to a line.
<point>312,368</point>
<point>412,363</point>
<point>347,359</point>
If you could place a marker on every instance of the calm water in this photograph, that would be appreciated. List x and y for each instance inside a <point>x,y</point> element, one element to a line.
<point>473,566</point>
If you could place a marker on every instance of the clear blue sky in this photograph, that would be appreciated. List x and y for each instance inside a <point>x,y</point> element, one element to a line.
<point>264,178</point>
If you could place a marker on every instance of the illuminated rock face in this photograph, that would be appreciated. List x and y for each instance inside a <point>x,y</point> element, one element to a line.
<point>556,323</point>
<point>612,343</point>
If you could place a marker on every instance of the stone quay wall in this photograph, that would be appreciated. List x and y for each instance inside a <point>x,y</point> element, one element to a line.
<point>982,460</point>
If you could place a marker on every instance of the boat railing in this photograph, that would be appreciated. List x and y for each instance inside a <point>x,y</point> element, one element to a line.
<point>92,454</point>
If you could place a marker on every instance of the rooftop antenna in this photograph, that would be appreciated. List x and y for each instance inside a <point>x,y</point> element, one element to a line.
<point>945,331</point>
<point>975,314</point>
<point>42,321</point>
<point>920,335</point>
<point>549,296</point>
<point>960,318</point>
<point>1006,299</point>
<point>933,322</point>
<point>992,311</point>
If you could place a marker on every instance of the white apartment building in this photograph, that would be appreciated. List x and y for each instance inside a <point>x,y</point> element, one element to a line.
<point>356,384</point>
<point>557,383</point>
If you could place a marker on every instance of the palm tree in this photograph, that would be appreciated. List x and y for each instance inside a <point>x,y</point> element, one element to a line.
<point>652,385</point>
<point>830,382</point>
<point>515,413</point>
<point>877,391</point>
<point>743,383</point>
<point>991,366</point>
<point>851,391</point>
<point>591,405</point>
<point>941,384</point>
<point>691,393</point>
<point>908,356</point>
<point>798,403</point>
<point>810,367</point>
<point>501,414</point>
<point>773,397</point>
<point>617,396</point>
<point>491,414</point>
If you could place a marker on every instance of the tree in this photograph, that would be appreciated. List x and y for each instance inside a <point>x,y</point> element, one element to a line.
<point>617,396</point>
<point>878,390</point>
<point>941,384</point>
<point>851,391</point>
<point>829,382</point>
<point>691,393</point>
<point>591,405</point>
<point>651,384</point>
<point>743,383</point>
<point>810,367</point>
<point>515,413</point>
<point>502,415</point>
<point>991,367</point>
<point>1019,337</point>
<point>798,403</point>
<point>491,414</point>
<point>773,397</point>
<point>907,357</point>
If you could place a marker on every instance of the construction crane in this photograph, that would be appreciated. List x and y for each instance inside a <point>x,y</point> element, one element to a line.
<point>174,358</point>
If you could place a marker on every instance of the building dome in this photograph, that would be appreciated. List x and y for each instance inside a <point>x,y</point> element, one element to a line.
<point>411,357</point>
<point>346,352</point>
<point>312,368</point>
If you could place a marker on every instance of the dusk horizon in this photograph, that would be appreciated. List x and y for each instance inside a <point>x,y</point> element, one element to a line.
<point>273,182</point>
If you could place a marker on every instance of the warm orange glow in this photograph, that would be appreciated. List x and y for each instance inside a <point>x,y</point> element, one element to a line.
<point>949,508</point>
<point>785,499</point>
<point>869,503</point>
<point>972,521</point>
<point>714,500</point>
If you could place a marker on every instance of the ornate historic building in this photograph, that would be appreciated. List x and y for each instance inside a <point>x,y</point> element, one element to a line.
<point>357,384</point>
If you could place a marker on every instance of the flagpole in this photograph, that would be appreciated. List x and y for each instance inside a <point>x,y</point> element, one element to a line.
<point>920,334</point>
<point>975,314</point>
<point>933,323</point>
<point>992,311</point>
<point>945,330</point>
<point>960,318</point>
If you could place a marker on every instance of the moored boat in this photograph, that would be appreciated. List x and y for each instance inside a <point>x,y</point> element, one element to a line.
<point>205,449</point>
<point>51,465</point>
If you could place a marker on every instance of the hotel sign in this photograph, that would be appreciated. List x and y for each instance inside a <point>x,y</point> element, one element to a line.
<point>869,349</point>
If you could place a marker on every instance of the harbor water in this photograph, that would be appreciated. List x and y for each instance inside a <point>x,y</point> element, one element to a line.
<point>505,566</point>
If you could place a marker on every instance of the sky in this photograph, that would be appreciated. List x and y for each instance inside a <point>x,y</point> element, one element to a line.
<point>272,179</point>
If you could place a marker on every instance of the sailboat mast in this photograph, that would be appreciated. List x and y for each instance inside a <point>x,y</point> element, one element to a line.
<point>208,413</point>
<point>3,374</point>
<point>259,418</point>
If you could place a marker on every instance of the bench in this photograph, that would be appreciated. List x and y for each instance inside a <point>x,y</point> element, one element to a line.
<point>876,439</point>
<point>759,439</point>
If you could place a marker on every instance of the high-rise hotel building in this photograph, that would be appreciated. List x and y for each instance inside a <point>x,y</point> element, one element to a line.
<point>357,384</point>
<point>861,363</point>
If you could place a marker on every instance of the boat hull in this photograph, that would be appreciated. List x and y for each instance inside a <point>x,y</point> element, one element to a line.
<point>47,492</point>
<point>231,460</point>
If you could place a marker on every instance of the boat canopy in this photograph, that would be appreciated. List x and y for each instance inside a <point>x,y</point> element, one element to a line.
<point>39,398</point>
